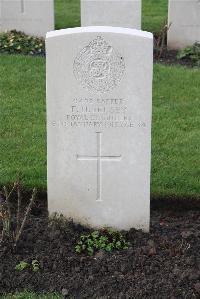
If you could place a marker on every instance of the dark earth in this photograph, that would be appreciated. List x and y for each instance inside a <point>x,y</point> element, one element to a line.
<point>169,57</point>
<point>164,263</point>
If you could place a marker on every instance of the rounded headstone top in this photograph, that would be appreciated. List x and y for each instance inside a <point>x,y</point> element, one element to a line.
<point>102,29</point>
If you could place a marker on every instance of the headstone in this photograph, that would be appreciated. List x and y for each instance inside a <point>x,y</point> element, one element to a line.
<point>126,13</point>
<point>99,97</point>
<point>184,17</point>
<point>33,17</point>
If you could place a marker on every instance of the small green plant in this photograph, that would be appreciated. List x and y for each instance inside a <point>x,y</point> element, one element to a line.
<point>106,239</point>
<point>34,266</point>
<point>192,53</point>
<point>21,266</point>
<point>16,42</point>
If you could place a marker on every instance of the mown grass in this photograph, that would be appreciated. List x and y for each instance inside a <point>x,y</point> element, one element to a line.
<point>67,13</point>
<point>154,13</point>
<point>22,120</point>
<point>175,134</point>
<point>30,295</point>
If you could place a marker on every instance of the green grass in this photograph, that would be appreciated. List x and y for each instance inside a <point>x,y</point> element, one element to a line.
<point>176,135</point>
<point>176,122</point>
<point>154,13</point>
<point>67,13</point>
<point>27,295</point>
<point>22,120</point>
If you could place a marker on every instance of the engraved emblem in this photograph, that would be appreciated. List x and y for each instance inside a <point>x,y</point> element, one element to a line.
<point>98,66</point>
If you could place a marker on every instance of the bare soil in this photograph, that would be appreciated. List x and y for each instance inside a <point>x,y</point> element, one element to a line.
<point>169,57</point>
<point>164,263</point>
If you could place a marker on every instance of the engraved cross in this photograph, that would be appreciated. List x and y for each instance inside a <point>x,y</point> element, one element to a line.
<point>99,158</point>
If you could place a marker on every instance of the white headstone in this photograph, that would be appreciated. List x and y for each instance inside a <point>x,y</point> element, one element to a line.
<point>99,97</point>
<point>184,17</point>
<point>34,17</point>
<point>126,13</point>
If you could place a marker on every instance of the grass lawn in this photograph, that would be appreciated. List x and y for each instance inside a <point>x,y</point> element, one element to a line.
<point>176,122</point>
<point>22,120</point>
<point>176,135</point>
<point>154,13</point>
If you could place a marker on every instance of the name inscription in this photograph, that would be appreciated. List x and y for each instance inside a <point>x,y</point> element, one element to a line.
<point>98,113</point>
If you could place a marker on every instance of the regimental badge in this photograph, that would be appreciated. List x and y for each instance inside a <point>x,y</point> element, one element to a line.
<point>98,67</point>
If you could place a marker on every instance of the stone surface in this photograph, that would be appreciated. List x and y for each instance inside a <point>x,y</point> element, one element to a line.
<point>34,17</point>
<point>184,17</point>
<point>126,13</point>
<point>99,94</point>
